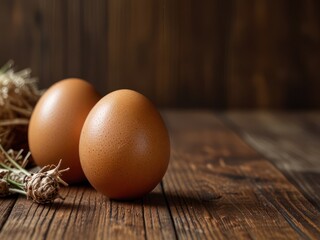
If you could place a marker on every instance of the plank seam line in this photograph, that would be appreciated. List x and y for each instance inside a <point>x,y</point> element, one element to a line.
<point>144,220</point>
<point>37,221</point>
<point>168,207</point>
<point>77,210</point>
<point>184,213</point>
<point>235,129</point>
<point>7,215</point>
<point>232,127</point>
<point>193,218</point>
<point>70,214</point>
<point>179,215</point>
<point>45,235</point>
<point>285,214</point>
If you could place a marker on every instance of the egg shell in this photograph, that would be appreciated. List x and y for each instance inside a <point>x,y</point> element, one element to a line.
<point>124,145</point>
<point>56,123</point>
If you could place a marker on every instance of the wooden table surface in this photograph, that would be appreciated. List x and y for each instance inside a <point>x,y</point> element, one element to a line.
<point>233,175</point>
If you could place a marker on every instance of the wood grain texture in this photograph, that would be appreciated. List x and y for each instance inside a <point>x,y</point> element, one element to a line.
<point>285,139</point>
<point>85,214</point>
<point>183,53</point>
<point>219,185</point>
<point>6,205</point>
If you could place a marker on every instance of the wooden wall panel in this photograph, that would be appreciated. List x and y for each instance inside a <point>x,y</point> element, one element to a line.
<point>210,53</point>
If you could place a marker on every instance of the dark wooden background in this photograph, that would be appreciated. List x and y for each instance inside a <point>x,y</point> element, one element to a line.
<point>180,53</point>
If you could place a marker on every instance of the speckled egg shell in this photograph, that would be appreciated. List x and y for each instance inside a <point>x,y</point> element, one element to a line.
<point>56,123</point>
<point>124,145</point>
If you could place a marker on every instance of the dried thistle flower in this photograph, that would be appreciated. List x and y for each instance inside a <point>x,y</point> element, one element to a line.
<point>41,187</point>
<point>18,96</point>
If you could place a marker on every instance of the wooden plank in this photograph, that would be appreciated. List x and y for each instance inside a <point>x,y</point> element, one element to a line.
<point>290,141</point>
<point>94,43</point>
<point>86,214</point>
<point>6,23</point>
<point>133,43</point>
<point>218,54</point>
<point>53,41</point>
<point>193,31</point>
<point>74,40</point>
<point>218,187</point>
<point>309,29</point>
<point>20,34</point>
<point>6,205</point>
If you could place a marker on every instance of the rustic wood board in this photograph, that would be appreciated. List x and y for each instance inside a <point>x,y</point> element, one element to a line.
<point>248,196</point>
<point>290,140</point>
<point>218,186</point>
<point>217,54</point>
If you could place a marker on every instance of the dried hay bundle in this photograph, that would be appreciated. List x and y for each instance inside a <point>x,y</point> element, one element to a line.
<point>18,95</point>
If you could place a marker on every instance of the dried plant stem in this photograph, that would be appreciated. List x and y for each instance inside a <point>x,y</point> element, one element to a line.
<point>17,121</point>
<point>14,163</point>
<point>22,111</point>
<point>14,190</point>
<point>5,166</point>
<point>16,184</point>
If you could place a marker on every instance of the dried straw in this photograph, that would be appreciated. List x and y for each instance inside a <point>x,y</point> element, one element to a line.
<point>18,96</point>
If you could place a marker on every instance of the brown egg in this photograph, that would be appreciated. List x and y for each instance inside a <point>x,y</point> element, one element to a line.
<point>56,123</point>
<point>124,145</point>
